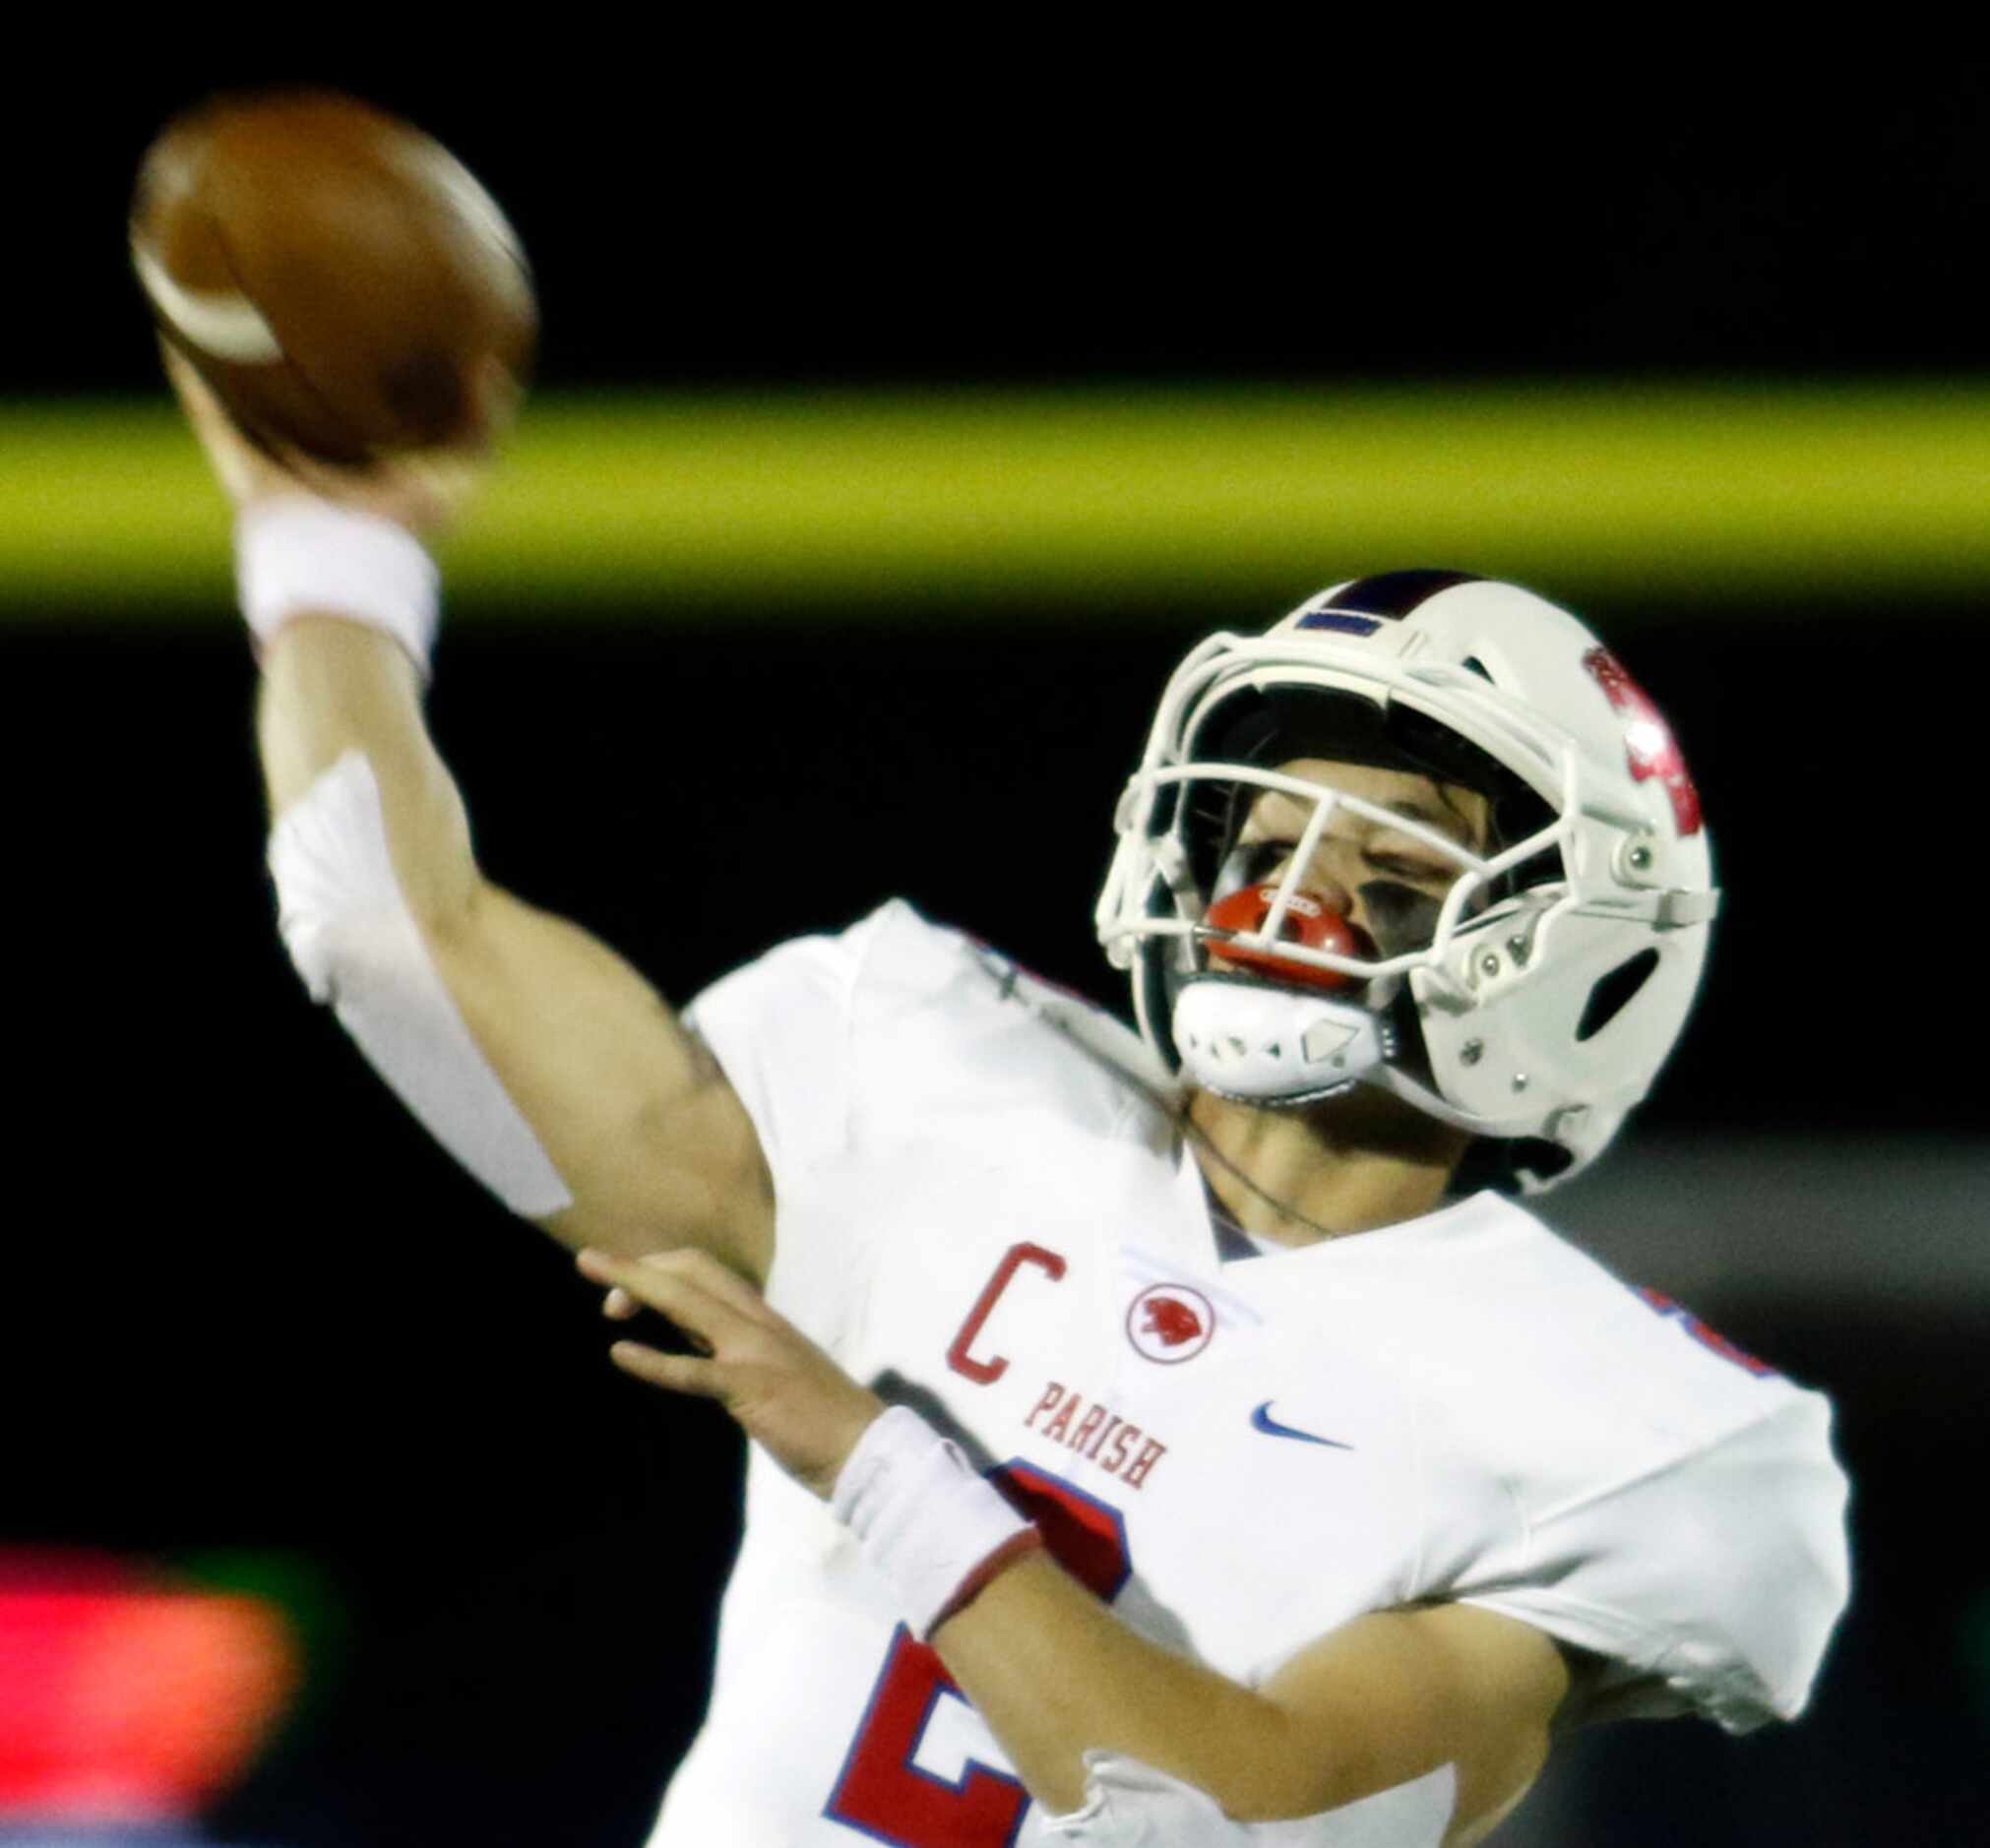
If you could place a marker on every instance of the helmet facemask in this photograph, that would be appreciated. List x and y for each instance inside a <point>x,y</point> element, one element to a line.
<point>1266,1001</point>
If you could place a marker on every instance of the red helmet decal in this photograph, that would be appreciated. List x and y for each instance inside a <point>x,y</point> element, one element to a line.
<point>1649,744</point>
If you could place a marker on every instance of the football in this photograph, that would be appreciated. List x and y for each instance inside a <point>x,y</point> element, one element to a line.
<point>337,275</point>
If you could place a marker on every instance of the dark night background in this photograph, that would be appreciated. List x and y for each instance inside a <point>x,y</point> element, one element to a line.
<point>249,1307</point>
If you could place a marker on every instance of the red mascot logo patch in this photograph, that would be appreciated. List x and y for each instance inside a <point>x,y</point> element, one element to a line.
<point>1170,1322</point>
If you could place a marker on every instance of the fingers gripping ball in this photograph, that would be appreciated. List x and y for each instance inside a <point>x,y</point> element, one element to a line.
<point>1306,921</point>
<point>336,277</point>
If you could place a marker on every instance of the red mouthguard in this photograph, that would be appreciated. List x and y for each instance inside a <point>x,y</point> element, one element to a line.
<point>1307,921</point>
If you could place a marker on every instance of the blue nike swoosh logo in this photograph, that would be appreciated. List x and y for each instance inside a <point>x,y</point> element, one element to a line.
<point>1262,1420</point>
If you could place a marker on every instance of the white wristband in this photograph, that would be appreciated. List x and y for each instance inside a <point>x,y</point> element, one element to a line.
<point>930,1526</point>
<point>302,556</point>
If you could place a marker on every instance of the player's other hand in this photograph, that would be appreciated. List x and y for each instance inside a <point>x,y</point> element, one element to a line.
<point>428,492</point>
<point>783,1391</point>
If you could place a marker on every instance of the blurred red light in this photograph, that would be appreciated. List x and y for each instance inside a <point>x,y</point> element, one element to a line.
<point>127,1700</point>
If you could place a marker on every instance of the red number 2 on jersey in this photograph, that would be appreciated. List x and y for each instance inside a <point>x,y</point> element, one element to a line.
<point>881,1791</point>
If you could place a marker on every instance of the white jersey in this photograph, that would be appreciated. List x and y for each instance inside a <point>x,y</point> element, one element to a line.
<point>983,1209</point>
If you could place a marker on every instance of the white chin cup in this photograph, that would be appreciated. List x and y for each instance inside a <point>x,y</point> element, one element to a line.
<point>1263,1044</point>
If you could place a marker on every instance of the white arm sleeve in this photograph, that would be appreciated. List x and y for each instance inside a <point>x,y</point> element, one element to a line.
<point>355,942</point>
<point>1130,1805</point>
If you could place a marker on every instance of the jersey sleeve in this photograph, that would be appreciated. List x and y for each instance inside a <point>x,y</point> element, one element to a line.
<point>782,1028</point>
<point>1710,1579</point>
<point>795,1032</point>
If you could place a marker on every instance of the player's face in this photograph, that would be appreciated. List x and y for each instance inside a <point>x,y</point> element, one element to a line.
<point>1382,879</point>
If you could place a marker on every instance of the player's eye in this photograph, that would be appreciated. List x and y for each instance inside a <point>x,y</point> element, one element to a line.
<point>1250,863</point>
<point>1411,871</point>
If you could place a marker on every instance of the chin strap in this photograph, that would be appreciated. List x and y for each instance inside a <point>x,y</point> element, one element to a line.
<point>1243,1038</point>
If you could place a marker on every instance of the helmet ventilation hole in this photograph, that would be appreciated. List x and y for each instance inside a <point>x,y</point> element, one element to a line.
<point>1612,994</point>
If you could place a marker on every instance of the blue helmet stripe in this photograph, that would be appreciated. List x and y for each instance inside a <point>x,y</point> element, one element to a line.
<point>1395,593</point>
<point>1334,619</point>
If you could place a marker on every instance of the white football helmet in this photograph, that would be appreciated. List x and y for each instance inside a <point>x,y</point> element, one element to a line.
<point>1537,1002</point>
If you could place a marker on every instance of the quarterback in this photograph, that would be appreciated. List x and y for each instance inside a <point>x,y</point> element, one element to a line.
<point>1181,1435</point>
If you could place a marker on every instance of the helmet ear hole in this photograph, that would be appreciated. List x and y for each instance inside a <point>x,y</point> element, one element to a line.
<point>1613,993</point>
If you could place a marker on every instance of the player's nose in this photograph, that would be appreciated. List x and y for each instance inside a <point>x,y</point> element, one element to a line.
<point>1331,892</point>
<point>1327,877</point>
<point>1334,879</point>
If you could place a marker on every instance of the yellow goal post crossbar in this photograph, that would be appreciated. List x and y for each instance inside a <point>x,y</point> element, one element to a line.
<point>890,501</point>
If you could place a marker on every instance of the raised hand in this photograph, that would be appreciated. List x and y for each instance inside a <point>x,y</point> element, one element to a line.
<point>783,1391</point>
<point>425,491</point>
